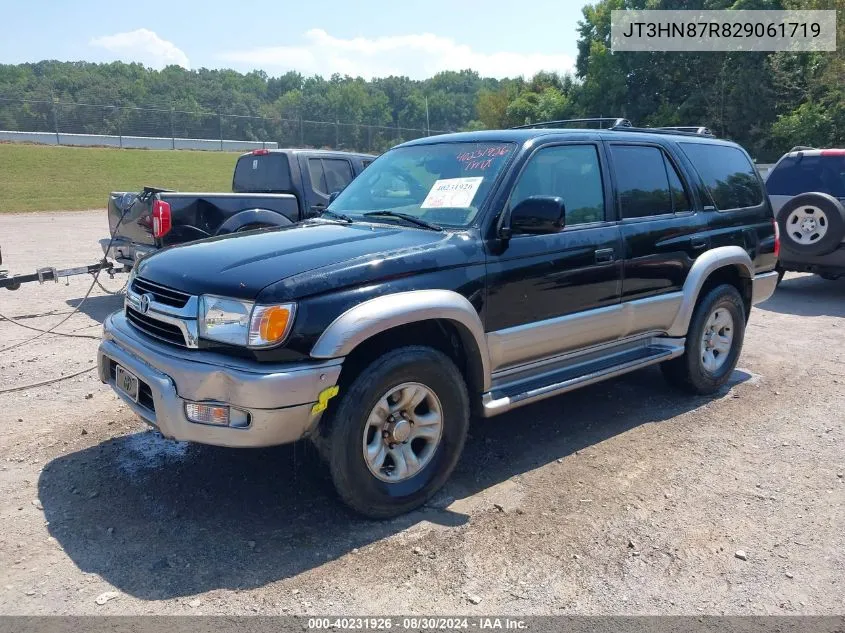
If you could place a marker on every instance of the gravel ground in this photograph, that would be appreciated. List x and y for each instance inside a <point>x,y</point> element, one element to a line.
<point>621,498</point>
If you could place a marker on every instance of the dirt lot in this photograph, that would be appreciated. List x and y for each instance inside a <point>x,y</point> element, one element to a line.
<point>625,497</point>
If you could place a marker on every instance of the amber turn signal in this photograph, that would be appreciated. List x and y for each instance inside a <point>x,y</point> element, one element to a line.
<point>270,324</point>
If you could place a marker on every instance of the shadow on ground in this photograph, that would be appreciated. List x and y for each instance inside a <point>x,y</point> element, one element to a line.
<point>807,295</point>
<point>160,519</point>
<point>98,307</point>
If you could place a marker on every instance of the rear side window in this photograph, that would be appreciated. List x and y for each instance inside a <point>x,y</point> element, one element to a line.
<point>794,175</point>
<point>728,175</point>
<point>647,182</point>
<point>262,173</point>
<point>318,178</point>
<point>338,174</point>
<point>329,174</point>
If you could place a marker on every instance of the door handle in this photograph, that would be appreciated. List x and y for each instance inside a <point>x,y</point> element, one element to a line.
<point>605,255</point>
<point>699,244</point>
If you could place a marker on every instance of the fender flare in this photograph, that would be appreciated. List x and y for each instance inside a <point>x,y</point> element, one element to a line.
<point>702,268</point>
<point>253,216</point>
<point>380,314</point>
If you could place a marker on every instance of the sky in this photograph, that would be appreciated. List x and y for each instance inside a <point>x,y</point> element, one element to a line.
<point>369,38</point>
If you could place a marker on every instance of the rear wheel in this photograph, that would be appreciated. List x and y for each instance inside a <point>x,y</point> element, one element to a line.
<point>713,343</point>
<point>397,432</point>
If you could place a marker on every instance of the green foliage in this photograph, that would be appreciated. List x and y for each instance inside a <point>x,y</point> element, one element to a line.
<point>809,124</point>
<point>765,101</point>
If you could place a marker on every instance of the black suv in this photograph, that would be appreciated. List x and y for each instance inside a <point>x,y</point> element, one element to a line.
<point>466,273</point>
<point>807,190</point>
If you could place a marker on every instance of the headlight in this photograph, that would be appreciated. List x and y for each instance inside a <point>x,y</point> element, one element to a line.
<point>243,323</point>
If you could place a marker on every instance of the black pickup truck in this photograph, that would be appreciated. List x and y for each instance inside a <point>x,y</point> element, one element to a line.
<point>463,274</point>
<point>269,188</point>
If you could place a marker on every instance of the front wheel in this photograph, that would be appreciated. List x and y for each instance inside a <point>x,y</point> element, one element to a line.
<point>713,344</point>
<point>397,432</point>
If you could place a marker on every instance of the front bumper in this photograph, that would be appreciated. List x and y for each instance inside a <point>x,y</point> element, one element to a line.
<point>763,286</point>
<point>278,398</point>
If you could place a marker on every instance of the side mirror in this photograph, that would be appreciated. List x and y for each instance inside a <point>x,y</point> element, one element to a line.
<point>333,195</point>
<point>538,215</point>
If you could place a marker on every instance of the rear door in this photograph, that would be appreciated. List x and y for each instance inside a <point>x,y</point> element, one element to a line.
<point>323,175</point>
<point>661,232</point>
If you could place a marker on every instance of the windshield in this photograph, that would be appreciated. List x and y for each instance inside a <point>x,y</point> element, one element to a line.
<point>444,183</point>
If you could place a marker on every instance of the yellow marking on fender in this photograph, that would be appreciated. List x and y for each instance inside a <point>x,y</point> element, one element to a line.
<point>323,399</point>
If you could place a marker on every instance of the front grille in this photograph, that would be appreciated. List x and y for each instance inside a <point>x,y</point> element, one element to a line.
<point>157,329</point>
<point>161,294</point>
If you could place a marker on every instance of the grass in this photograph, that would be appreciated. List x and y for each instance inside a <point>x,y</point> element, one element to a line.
<point>48,178</point>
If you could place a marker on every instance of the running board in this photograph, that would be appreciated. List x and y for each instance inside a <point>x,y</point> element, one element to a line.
<point>563,379</point>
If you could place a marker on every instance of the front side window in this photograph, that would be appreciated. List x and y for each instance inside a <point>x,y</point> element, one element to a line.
<point>571,172</point>
<point>443,183</point>
<point>728,174</point>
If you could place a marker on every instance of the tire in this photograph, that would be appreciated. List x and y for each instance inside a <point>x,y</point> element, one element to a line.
<point>349,432</point>
<point>812,223</point>
<point>781,272</point>
<point>689,372</point>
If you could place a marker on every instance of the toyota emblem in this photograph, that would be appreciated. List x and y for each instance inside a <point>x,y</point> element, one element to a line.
<point>144,303</point>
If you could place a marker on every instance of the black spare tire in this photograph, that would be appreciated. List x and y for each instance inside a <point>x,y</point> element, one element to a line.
<point>812,223</point>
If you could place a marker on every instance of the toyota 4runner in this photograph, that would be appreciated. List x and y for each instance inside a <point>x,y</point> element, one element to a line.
<point>462,274</point>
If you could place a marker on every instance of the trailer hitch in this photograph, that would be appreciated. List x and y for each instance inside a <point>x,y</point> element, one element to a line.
<point>50,273</point>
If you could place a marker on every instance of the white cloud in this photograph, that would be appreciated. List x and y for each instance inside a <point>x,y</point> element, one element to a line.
<point>142,45</point>
<point>418,56</point>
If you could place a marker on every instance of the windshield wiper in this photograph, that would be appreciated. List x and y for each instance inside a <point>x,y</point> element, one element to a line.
<point>336,215</point>
<point>407,217</point>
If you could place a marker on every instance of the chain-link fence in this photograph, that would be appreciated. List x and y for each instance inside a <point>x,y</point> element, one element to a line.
<point>55,117</point>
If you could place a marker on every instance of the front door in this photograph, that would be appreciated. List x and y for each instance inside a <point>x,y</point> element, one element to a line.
<point>549,294</point>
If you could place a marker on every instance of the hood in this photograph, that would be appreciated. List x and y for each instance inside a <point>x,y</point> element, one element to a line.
<point>241,265</point>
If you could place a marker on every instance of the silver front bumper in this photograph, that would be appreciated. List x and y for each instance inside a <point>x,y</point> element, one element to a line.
<point>278,397</point>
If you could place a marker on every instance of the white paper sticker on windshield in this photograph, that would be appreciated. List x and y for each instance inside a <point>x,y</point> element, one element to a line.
<point>452,192</point>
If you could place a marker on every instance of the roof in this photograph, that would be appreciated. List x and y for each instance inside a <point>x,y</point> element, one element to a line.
<point>812,151</point>
<point>305,150</point>
<point>523,135</point>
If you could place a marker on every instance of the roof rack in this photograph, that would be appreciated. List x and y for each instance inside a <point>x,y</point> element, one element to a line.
<point>698,130</point>
<point>623,125</point>
<point>616,122</point>
<point>800,148</point>
<point>679,131</point>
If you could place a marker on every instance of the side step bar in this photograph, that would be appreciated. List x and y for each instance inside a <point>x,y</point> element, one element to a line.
<point>562,380</point>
